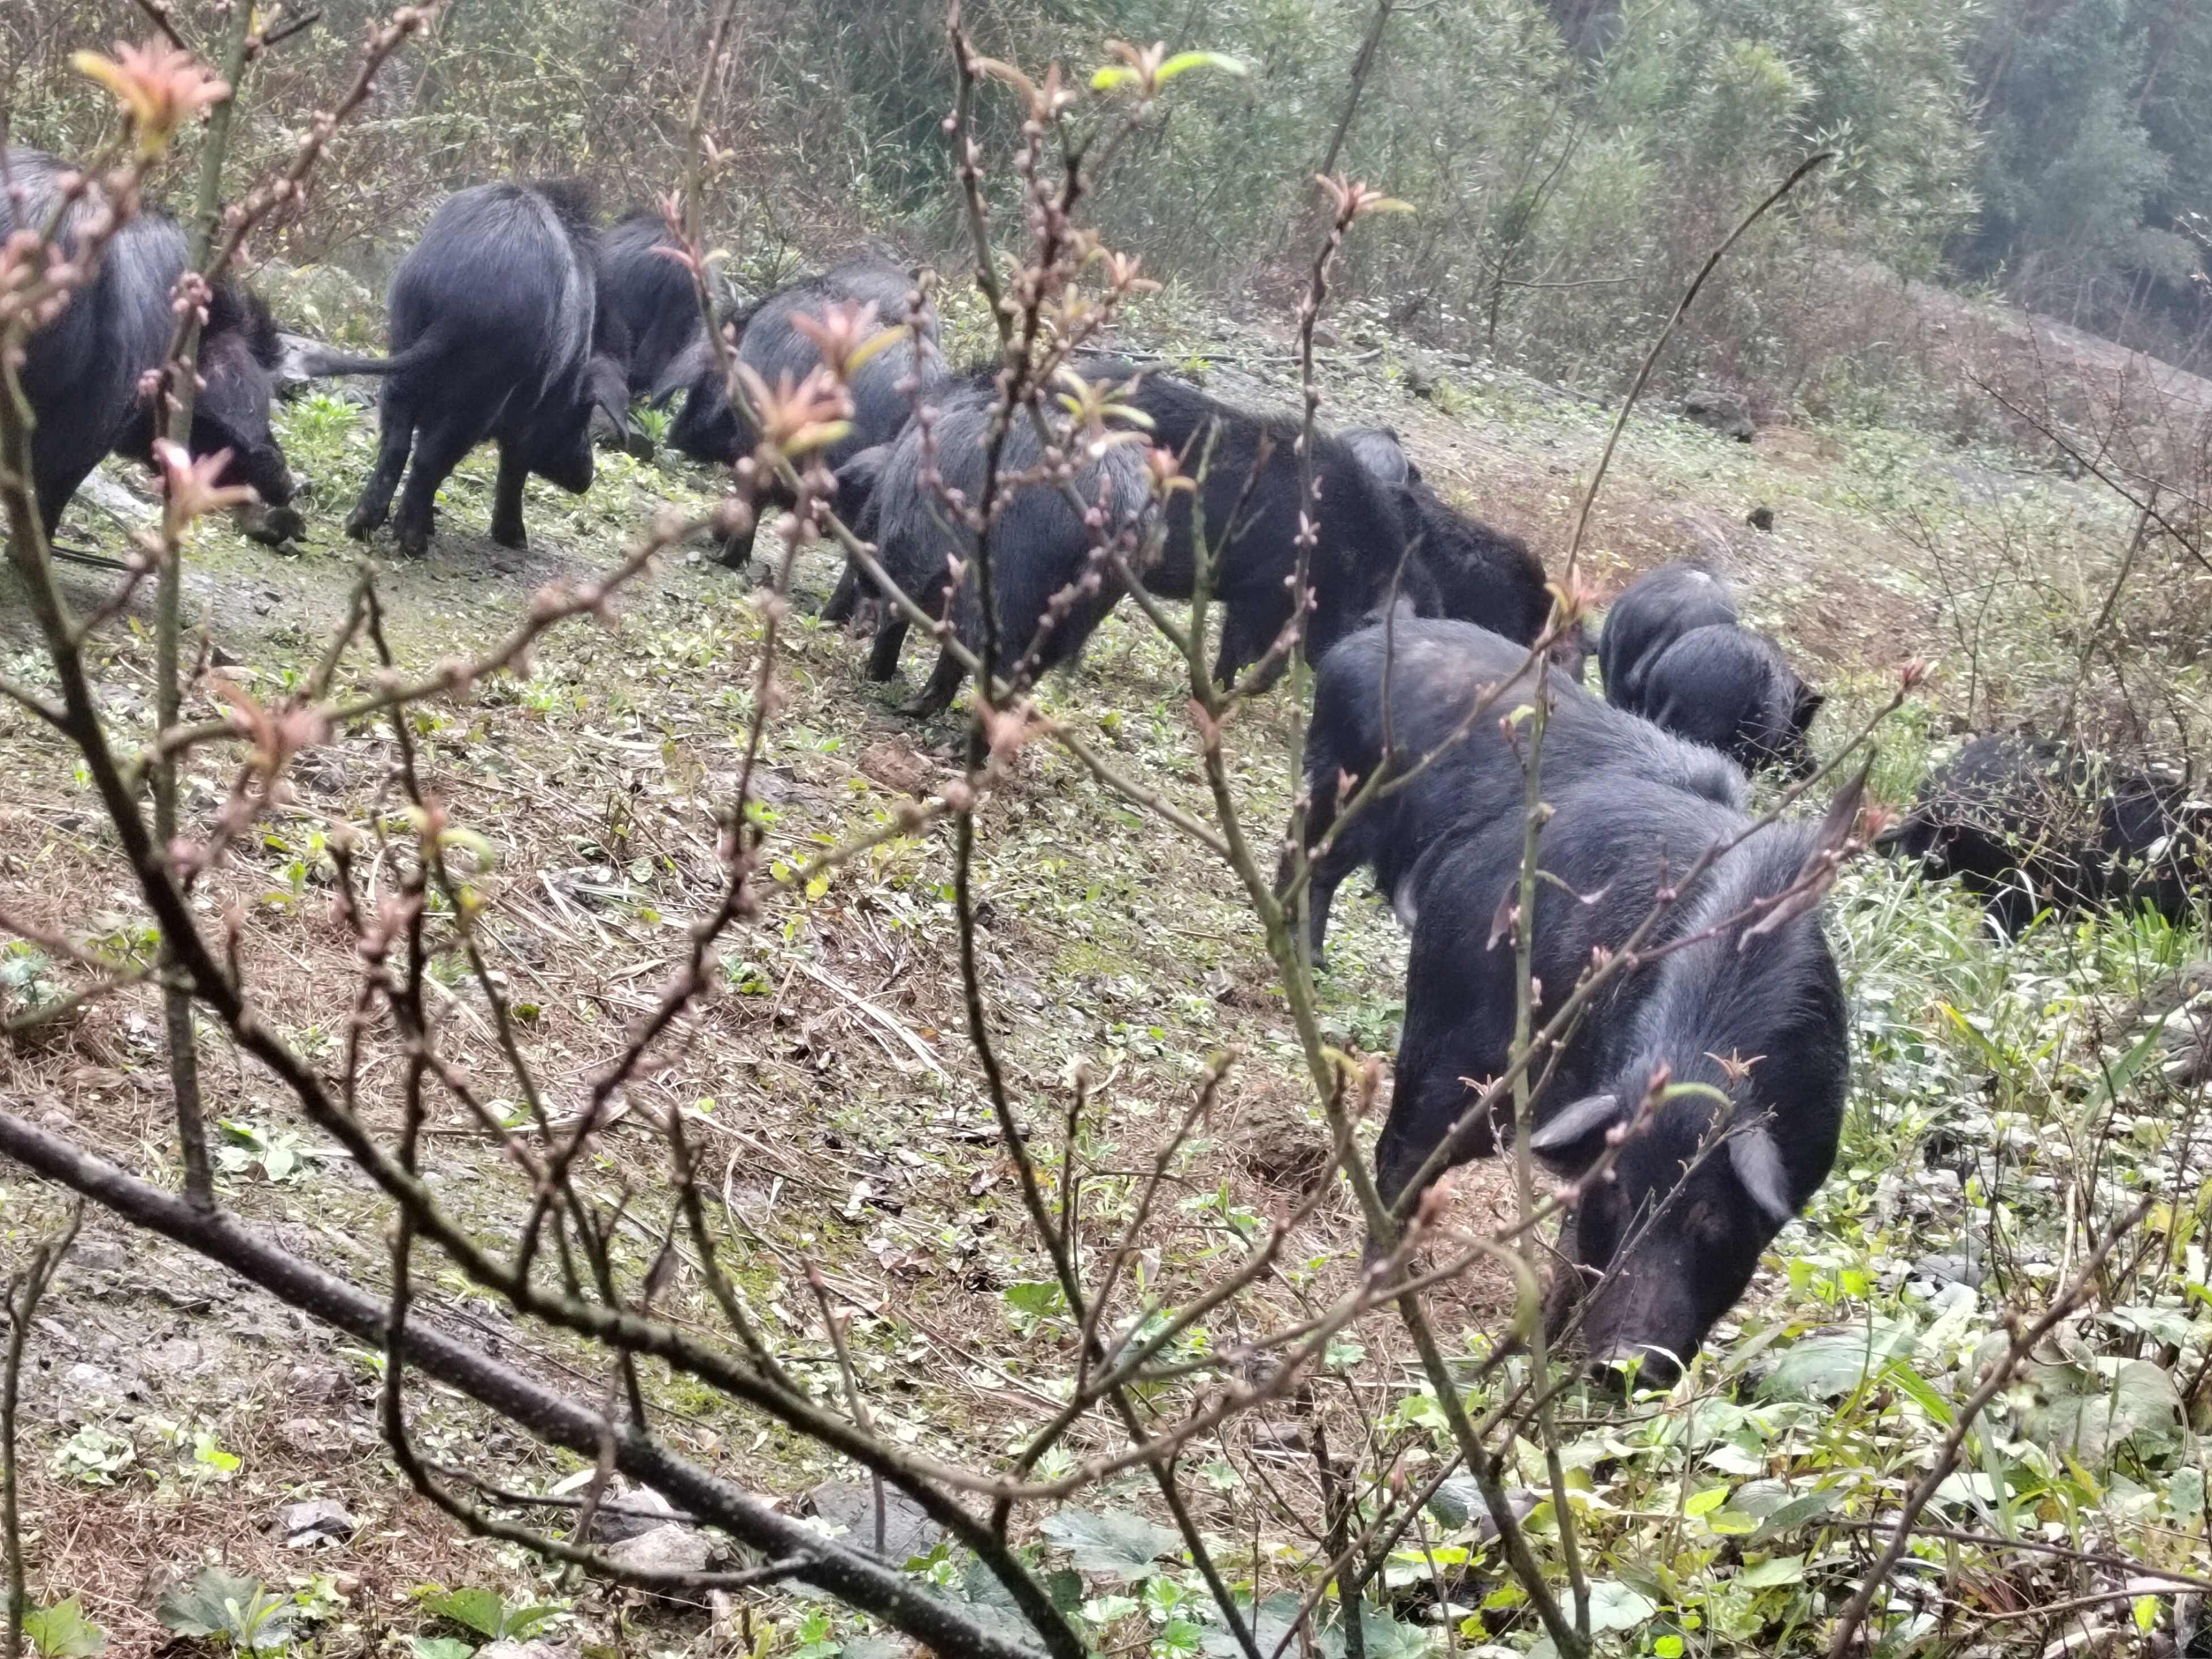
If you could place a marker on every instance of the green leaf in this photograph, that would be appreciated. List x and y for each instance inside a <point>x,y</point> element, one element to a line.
<point>1774,1573</point>
<point>481,1611</point>
<point>1614,1606</point>
<point>2113,1082</point>
<point>441,1647</point>
<point>523,1623</point>
<point>1667,1647</point>
<point>2091,1421</point>
<point>208,1453</point>
<point>1457,1500</point>
<point>1705,1502</point>
<point>2185,1492</point>
<point>1270,1622</point>
<point>1103,1610</point>
<point>1386,1637</point>
<point>1119,1548</point>
<point>1828,1364</point>
<point>1039,1298</point>
<point>238,1610</point>
<point>1113,75</point>
<point>1065,1589</point>
<point>1807,1506</point>
<point>1177,1637</point>
<point>62,1632</point>
<point>1183,61</point>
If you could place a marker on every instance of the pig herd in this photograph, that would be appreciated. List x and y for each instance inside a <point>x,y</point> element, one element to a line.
<point>517,319</point>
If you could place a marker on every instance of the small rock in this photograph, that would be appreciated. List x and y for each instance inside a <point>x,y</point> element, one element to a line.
<point>1280,1144</point>
<point>321,1384</point>
<point>180,1356</point>
<point>115,499</point>
<point>1719,412</point>
<point>1760,517</point>
<point>84,1391</point>
<point>1951,1270</point>
<point>665,1548</point>
<point>314,1521</point>
<point>100,1255</point>
<point>307,1434</point>
<point>896,766</point>
<point>633,1514</point>
<point>908,1529</point>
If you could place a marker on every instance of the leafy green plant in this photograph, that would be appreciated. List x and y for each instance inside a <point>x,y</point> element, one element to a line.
<point>62,1632</point>
<point>27,979</point>
<point>1121,1548</point>
<point>94,1455</point>
<point>277,1153</point>
<point>487,1613</point>
<point>237,1611</point>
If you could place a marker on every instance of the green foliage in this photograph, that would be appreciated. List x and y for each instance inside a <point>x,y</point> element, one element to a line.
<point>275,1152</point>
<point>62,1632</point>
<point>94,1455</point>
<point>1559,198</point>
<point>27,979</point>
<point>2094,177</point>
<point>487,1613</point>
<point>1119,1548</point>
<point>236,1611</point>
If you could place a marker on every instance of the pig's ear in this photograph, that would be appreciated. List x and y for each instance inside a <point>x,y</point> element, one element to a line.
<point>1807,705</point>
<point>1757,1164</point>
<point>1575,1122</point>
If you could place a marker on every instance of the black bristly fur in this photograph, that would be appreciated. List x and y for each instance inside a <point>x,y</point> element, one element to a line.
<point>2029,823</point>
<point>1040,546</point>
<point>82,371</point>
<point>1773,1003</point>
<point>1436,671</point>
<point>493,315</point>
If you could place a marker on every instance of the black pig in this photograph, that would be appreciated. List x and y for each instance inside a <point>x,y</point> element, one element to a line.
<point>1050,591</point>
<point>1461,569</point>
<point>492,333</point>
<point>1757,1019</point>
<point>769,342</point>
<point>2028,823</point>
<point>1730,689</point>
<point>1652,612</point>
<point>855,505</point>
<point>1437,672</point>
<point>82,372</point>
<point>1250,498</point>
<point>1486,576</point>
<point>650,301</point>
<point>1380,450</point>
